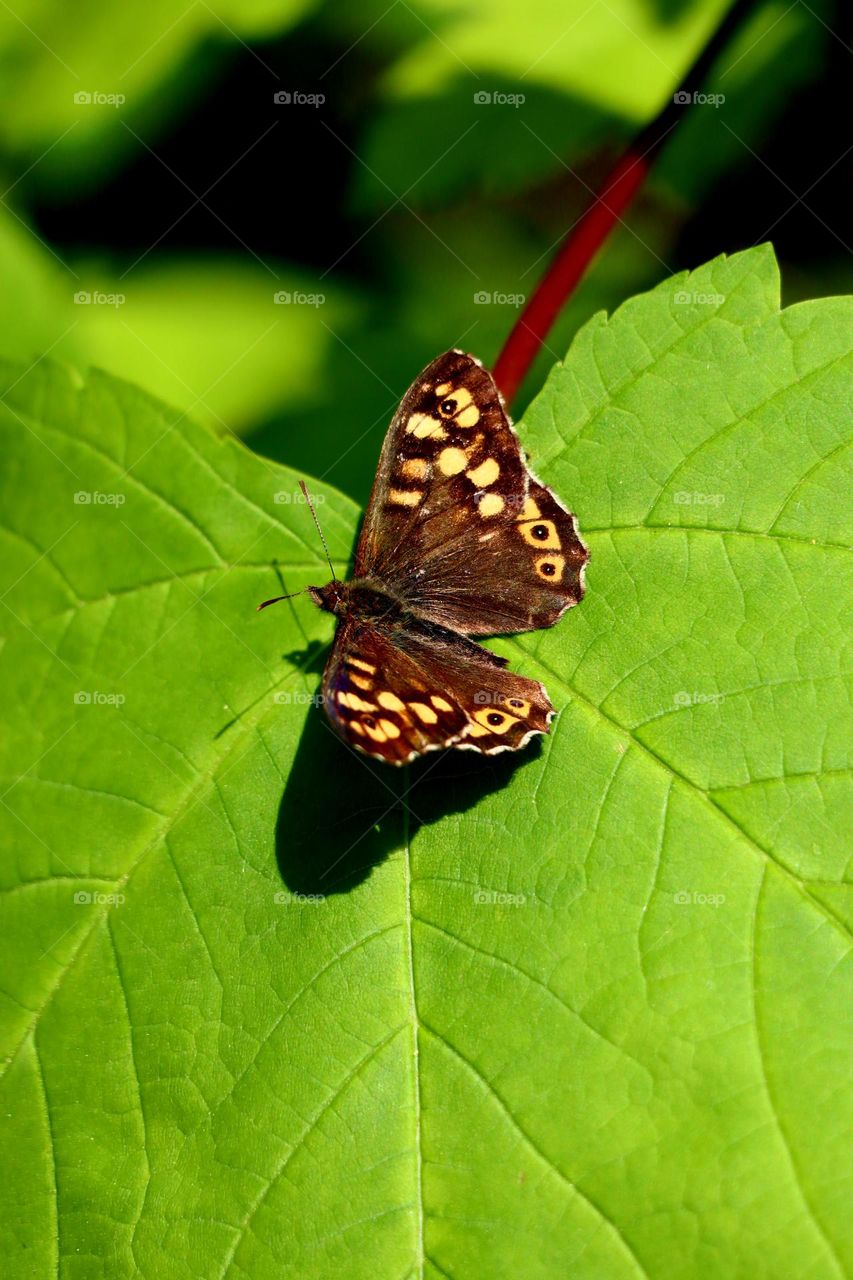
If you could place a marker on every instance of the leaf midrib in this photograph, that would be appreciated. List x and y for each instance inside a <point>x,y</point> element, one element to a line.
<point>416,1032</point>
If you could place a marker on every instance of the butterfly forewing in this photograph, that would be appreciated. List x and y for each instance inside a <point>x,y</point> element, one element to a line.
<point>457,527</point>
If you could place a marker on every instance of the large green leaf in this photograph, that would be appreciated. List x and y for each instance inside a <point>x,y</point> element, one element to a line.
<point>572,1013</point>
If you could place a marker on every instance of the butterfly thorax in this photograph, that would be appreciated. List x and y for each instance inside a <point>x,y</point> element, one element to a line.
<point>361,598</point>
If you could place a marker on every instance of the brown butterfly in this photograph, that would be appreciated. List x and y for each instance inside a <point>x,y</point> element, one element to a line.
<point>459,540</point>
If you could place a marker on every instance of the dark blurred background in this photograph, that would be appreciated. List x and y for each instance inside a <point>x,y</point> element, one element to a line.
<point>401,196</point>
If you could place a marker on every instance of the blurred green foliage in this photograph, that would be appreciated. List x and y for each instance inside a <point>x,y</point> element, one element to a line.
<point>182,191</point>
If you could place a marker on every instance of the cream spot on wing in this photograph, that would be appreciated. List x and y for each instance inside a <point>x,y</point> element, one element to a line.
<point>356,728</point>
<point>441,703</point>
<point>373,731</point>
<point>414,468</point>
<point>551,568</point>
<point>443,388</point>
<point>541,533</point>
<point>390,729</point>
<point>462,397</point>
<point>475,731</point>
<point>494,721</point>
<point>452,461</point>
<point>468,417</point>
<point>530,510</point>
<point>360,665</point>
<point>424,427</point>
<point>519,705</point>
<point>355,703</point>
<point>405,497</point>
<point>486,474</point>
<point>491,504</point>
<point>361,682</point>
<point>424,713</point>
<point>390,701</point>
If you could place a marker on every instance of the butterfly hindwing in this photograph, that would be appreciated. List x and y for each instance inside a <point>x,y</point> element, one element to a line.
<point>457,526</point>
<point>380,702</point>
<point>397,692</point>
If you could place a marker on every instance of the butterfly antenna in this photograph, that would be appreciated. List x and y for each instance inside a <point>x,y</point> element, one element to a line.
<point>275,599</point>
<point>303,486</point>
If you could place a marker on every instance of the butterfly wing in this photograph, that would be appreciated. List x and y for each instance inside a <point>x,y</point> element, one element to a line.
<point>396,692</point>
<point>457,526</point>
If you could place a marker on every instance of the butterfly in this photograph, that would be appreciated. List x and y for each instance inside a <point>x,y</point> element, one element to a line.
<point>459,540</point>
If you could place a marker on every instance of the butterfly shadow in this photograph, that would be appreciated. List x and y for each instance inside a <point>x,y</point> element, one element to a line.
<point>454,782</point>
<point>341,814</point>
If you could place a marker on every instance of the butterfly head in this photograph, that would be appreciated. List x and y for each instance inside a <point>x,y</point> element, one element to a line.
<point>332,597</point>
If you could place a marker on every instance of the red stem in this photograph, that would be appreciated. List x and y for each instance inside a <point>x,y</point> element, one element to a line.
<point>585,238</point>
<point>558,284</point>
